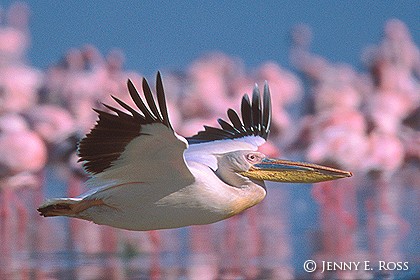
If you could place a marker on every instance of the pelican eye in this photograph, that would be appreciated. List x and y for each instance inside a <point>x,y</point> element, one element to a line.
<point>253,158</point>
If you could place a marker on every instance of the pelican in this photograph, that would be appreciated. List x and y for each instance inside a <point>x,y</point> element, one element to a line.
<point>144,176</point>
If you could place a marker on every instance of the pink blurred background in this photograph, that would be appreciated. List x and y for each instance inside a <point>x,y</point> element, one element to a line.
<point>364,120</point>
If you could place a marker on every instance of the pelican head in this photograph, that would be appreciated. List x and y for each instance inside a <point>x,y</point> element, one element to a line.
<point>258,167</point>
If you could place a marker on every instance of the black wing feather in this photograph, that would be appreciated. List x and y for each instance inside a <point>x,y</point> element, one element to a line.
<point>236,121</point>
<point>161,101</point>
<point>139,102</point>
<point>226,126</point>
<point>267,111</point>
<point>218,131</point>
<point>246,112</point>
<point>150,100</point>
<point>255,120</point>
<point>112,132</point>
<point>134,113</point>
<point>256,109</point>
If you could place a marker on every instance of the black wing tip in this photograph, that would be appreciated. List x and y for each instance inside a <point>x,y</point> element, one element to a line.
<point>114,130</point>
<point>150,113</point>
<point>256,118</point>
<point>131,87</point>
<point>160,92</point>
<point>267,109</point>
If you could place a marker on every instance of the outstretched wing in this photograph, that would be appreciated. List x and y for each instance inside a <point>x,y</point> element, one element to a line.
<point>246,134</point>
<point>256,119</point>
<point>135,146</point>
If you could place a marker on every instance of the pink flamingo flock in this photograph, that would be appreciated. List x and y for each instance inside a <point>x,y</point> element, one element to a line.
<point>366,122</point>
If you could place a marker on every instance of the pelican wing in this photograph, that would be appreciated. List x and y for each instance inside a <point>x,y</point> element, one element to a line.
<point>256,119</point>
<point>135,146</point>
<point>246,134</point>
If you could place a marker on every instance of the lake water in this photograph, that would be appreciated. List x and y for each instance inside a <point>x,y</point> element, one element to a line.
<point>342,226</point>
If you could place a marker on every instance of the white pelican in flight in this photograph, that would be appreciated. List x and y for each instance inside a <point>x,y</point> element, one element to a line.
<point>144,176</point>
